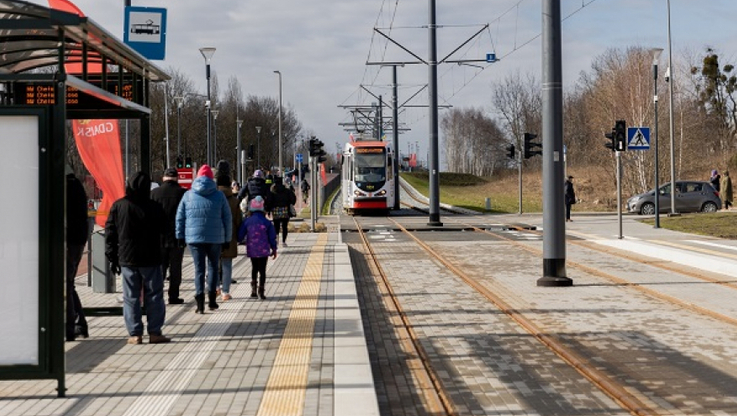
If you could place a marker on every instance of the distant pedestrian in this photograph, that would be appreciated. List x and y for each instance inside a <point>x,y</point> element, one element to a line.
<point>254,186</point>
<point>169,194</point>
<point>77,234</point>
<point>279,203</point>
<point>231,251</point>
<point>726,192</point>
<point>204,223</point>
<point>132,244</point>
<point>715,180</point>
<point>259,236</point>
<point>304,187</point>
<point>570,197</point>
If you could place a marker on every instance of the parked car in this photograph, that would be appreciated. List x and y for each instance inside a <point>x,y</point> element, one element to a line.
<point>691,196</point>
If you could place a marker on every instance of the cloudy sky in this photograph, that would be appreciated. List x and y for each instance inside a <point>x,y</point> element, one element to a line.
<point>322,47</point>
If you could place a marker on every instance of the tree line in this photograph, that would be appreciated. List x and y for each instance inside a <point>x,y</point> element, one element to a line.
<point>619,85</point>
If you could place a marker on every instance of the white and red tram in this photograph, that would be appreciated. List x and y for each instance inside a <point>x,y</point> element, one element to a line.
<point>367,176</point>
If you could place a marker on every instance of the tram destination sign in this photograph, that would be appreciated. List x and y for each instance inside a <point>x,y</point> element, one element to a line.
<point>42,93</point>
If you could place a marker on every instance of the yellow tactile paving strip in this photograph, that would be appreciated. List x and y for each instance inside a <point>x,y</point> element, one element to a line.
<point>285,390</point>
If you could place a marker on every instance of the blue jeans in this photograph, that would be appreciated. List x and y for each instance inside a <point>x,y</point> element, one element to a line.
<point>205,255</point>
<point>150,280</point>
<point>227,266</point>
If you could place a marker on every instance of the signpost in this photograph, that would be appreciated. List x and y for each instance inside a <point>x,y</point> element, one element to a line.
<point>185,176</point>
<point>638,138</point>
<point>145,31</point>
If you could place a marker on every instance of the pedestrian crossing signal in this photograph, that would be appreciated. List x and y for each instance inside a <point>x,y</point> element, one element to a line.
<point>529,145</point>
<point>510,151</point>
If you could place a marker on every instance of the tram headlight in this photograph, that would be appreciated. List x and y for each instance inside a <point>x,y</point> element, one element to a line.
<point>358,193</point>
<point>381,193</point>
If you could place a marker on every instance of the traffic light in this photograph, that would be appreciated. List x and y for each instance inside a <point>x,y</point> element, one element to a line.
<point>620,135</point>
<point>180,163</point>
<point>610,144</point>
<point>316,150</point>
<point>250,151</point>
<point>188,162</point>
<point>510,151</point>
<point>529,145</point>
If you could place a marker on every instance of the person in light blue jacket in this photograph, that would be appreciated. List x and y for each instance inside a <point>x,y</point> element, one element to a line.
<point>204,222</point>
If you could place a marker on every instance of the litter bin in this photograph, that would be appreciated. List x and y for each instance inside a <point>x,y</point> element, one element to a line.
<point>103,281</point>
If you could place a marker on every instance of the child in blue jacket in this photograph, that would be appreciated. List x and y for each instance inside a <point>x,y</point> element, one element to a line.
<point>259,236</point>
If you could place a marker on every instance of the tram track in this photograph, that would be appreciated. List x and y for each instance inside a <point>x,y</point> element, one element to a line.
<point>618,392</point>
<point>637,286</point>
<point>437,401</point>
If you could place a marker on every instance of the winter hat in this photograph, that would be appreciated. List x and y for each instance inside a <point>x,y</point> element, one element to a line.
<point>205,171</point>
<point>257,204</point>
<point>171,173</point>
<point>258,174</point>
<point>223,180</point>
<point>223,168</point>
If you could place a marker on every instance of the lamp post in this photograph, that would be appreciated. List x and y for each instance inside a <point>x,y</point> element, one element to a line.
<point>239,158</point>
<point>207,53</point>
<point>669,80</point>
<point>258,147</point>
<point>215,135</point>
<point>281,166</point>
<point>655,53</point>
<point>180,102</point>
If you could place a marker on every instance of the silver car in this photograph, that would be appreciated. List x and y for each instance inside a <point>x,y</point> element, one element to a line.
<point>691,196</point>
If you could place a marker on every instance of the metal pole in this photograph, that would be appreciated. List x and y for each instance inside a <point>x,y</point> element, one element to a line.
<point>215,135</point>
<point>672,139</point>
<point>619,191</point>
<point>281,165</point>
<point>395,128</point>
<point>179,129</point>
<point>434,219</point>
<point>554,238</point>
<point>241,161</point>
<point>209,162</point>
<point>656,54</point>
<point>519,176</point>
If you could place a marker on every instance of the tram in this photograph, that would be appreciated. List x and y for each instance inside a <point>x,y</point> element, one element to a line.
<point>367,176</point>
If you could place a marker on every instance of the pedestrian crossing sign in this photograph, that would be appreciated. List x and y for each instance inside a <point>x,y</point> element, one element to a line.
<point>638,138</point>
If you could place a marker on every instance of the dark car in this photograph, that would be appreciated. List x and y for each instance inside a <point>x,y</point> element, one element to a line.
<point>691,196</point>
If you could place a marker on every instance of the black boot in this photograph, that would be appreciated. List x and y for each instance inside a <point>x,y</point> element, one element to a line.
<point>200,303</point>
<point>211,297</point>
<point>253,290</point>
<point>261,292</point>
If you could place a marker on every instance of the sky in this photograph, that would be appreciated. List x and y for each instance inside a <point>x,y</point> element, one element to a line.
<point>322,47</point>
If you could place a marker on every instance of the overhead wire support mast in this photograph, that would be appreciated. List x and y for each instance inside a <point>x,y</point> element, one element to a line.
<point>432,64</point>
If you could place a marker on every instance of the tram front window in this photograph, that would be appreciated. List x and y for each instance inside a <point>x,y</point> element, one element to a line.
<point>370,171</point>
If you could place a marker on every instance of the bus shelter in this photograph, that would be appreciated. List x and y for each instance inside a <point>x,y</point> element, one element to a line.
<point>38,46</point>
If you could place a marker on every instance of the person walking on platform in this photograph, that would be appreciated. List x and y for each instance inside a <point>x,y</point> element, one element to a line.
<point>259,236</point>
<point>305,188</point>
<point>204,223</point>
<point>280,199</point>
<point>231,252</point>
<point>169,194</point>
<point>77,232</point>
<point>132,245</point>
<point>570,197</point>
<point>254,186</point>
<point>726,193</point>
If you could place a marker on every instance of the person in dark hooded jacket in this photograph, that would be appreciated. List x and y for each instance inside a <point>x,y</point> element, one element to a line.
<point>132,245</point>
<point>169,194</point>
<point>255,186</point>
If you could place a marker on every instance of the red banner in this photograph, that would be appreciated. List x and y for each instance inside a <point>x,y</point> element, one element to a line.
<point>98,141</point>
<point>323,175</point>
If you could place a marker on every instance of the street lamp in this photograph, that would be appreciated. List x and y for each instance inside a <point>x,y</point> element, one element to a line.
<point>207,53</point>
<point>281,171</point>
<point>258,147</point>
<point>669,80</point>
<point>655,53</point>
<point>215,134</point>
<point>238,156</point>
<point>180,102</point>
